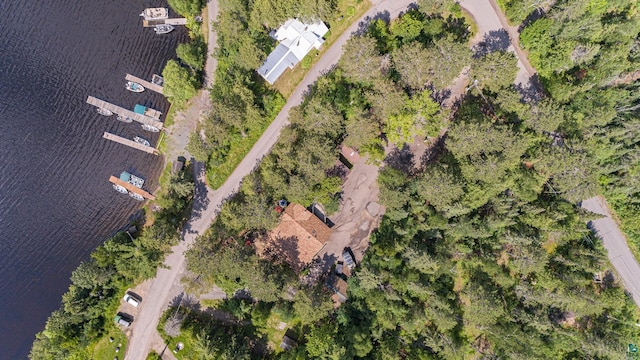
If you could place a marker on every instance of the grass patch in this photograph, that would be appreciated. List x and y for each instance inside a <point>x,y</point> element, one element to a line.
<point>274,335</point>
<point>106,350</point>
<point>218,174</point>
<point>205,24</point>
<point>473,27</point>
<point>348,12</point>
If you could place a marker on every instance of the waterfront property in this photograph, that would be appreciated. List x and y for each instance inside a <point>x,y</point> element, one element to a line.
<point>130,184</point>
<point>141,118</point>
<point>138,145</point>
<point>146,111</point>
<point>147,85</point>
<point>296,40</point>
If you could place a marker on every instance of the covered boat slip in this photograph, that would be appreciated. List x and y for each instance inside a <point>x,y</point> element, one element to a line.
<point>147,85</point>
<point>125,112</point>
<point>131,188</point>
<point>143,110</point>
<point>131,143</point>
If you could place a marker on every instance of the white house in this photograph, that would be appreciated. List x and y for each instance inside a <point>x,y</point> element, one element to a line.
<point>296,40</point>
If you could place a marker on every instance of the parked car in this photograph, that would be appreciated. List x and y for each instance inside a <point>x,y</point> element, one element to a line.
<point>347,255</point>
<point>123,319</point>
<point>131,300</point>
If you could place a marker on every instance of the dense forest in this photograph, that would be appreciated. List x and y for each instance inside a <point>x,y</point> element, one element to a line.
<point>483,251</point>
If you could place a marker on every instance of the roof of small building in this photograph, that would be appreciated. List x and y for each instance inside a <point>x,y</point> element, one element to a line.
<point>296,40</point>
<point>297,239</point>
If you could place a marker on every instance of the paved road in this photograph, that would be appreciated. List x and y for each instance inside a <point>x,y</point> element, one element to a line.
<point>616,244</point>
<point>208,202</point>
<point>493,24</point>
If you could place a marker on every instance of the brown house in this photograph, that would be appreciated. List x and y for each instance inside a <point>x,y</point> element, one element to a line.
<point>297,239</point>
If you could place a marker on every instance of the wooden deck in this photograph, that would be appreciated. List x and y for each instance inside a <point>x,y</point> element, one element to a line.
<point>175,21</point>
<point>147,85</point>
<point>125,112</point>
<point>131,143</point>
<point>131,188</point>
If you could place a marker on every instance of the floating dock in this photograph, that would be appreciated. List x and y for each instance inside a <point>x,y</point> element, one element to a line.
<point>124,112</point>
<point>147,85</point>
<point>131,188</point>
<point>175,21</point>
<point>131,143</point>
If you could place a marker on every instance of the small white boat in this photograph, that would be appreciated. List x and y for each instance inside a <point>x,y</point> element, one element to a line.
<point>150,128</point>
<point>155,13</point>
<point>105,112</point>
<point>134,86</point>
<point>125,119</point>
<point>136,196</point>
<point>129,178</point>
<point>120,189</point>
<point>163,29</point>
<point>157,79</point>
<point>142,141</point>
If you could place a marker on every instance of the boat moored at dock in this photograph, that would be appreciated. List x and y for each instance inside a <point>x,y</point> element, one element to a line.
<point>141,141</point>
<point>155,13</point>
<point>157,79</point>
<point>130,184</point>
<point>134,87</point>
<point>150,128</point>
<point>163,29</point>
<point>105,112</point>
<point>125,119</point>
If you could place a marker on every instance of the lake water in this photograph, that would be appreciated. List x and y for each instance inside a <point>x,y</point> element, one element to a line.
<point>56,204</point>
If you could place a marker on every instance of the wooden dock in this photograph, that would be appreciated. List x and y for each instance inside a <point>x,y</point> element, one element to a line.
<point>131,143</point>
<point>124,112</point>
<point>131,188</point>
<point>175,21</point>
<point>147,85</point>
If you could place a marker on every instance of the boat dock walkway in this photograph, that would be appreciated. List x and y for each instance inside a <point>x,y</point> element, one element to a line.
<point>131,143</point>
<point>124,112</point>
<point>131,188</point>
<point>147,85</point>
<point>175,21</point>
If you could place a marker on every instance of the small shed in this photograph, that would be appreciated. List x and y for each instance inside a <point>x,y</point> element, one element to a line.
<point>289,341</point>
<point>178,165</point>
<point>348,156</point>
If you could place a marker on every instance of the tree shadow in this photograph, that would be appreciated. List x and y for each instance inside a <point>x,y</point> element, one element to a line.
<point>401,159</point>
<point>531,18</point>
<point>200,200</point>
<point>363,26</point>
<point>531,91</point>
<point>432,152</point>
<point>284,249</point>
<point>494,40</point>
<point>441,96</point>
